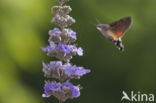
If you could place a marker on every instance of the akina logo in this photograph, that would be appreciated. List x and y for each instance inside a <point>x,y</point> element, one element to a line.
<point>137,97</point>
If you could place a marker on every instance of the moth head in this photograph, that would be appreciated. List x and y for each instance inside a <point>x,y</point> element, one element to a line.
<point>102,27</point>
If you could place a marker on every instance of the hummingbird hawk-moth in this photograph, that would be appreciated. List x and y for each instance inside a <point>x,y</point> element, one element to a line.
<point>115,31</point>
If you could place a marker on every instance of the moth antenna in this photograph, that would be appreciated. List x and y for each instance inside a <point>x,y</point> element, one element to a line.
<point>98,21</point>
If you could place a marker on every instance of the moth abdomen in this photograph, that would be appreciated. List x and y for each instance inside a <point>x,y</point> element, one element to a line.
<point>119,44</point>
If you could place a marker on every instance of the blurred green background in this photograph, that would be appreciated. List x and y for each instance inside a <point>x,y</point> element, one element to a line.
<point>24,26</point>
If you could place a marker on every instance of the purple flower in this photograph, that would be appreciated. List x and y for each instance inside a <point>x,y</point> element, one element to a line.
<point>55,31</point>
<point>52,45</point>
<point>55,64</point>
<point>80,51</point>
<point>74,89</point>
<point>60,46</point>
<point>63,47</point>
<point>53,70</point>
<point>59,71</point>
<point>44,49</point>
<point>61,91</point>
<point>72,34</point>
<point>49,48</point>
<point>50,87</point>
<point>80,71</point>
<point>75,71</point>
<point>73,47</point>
<point>45,67</point>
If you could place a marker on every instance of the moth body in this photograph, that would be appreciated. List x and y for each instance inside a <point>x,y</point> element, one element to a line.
<point>115,31</point>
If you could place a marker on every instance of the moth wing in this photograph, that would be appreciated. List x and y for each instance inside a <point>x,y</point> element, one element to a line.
<point>118,28</point>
